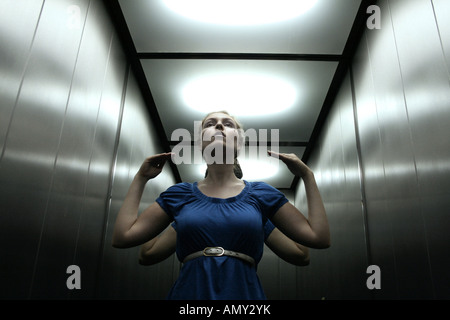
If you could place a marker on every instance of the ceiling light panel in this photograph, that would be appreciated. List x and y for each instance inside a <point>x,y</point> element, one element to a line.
<point>240,12</point>
<point>322,27</point>
<point>263,94</point>
<point>240,93</point>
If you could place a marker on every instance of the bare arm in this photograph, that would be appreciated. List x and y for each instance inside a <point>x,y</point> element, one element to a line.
<point>130,228</point>
<point>287,249</point>
<point>158,249</point>
<point>312,231</point>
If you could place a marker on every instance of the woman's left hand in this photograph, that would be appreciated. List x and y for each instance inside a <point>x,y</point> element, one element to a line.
<point>294,164</point>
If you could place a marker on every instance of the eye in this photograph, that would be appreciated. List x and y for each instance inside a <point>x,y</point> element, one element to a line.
<point>229,124</point>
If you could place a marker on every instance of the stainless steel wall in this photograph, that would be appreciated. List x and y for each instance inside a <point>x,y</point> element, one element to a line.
<point>121,277</point>
<point>338,272</point>
<point>400,96</point>
<point>73,129</point>
<point>403,104</point>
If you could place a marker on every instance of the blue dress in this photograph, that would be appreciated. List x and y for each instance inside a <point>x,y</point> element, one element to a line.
<point>238,223</point>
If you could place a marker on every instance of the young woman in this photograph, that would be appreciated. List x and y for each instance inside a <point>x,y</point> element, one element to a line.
<point>162,247</point>
<point>221,221</point>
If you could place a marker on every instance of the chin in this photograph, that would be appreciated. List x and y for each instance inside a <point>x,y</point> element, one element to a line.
<point>211,152</point>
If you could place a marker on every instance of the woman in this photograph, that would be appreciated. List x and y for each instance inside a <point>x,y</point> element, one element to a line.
<point>163,246</point>
<point>220,220</point>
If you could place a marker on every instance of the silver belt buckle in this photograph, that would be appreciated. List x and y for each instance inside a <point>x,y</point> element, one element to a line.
<point>213,251</point>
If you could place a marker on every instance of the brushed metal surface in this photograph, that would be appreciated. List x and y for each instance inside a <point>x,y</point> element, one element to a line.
<point>61,97</point>
<point>441,9</point>
<point>137,141</point>
<point>66,202</point>
<point>427,97</point>
<point>337,273</point>
<point>402,105</point>
<point>402,114</point>
<point>33,139</point>
<point>14,55</point>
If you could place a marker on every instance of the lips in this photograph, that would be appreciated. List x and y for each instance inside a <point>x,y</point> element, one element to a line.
<point>219,133</point>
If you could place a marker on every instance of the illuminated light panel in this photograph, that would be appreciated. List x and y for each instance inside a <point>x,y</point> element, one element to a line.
<point>240,94</point>
<point>240,12</point>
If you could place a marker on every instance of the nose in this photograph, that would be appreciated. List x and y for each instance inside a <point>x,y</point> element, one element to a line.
<point>219,125</point>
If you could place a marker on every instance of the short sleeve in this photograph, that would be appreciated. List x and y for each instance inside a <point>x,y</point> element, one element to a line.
<point>171,199</point>
<point>268,228</point>
<point>269,198</point>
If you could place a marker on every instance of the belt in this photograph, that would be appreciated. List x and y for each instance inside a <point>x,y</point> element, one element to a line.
<point>218,252</point>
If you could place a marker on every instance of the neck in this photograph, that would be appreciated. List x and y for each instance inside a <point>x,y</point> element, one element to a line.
<point>220,174</point>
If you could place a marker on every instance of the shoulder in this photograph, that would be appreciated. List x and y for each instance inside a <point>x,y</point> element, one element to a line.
<point>263,187</point>
<point>174,196</point>
<point>177,191</point>
<point>183,187</point>
<point>269,198</point>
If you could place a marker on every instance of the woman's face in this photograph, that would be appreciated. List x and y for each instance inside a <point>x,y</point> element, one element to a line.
<point>220,132</point>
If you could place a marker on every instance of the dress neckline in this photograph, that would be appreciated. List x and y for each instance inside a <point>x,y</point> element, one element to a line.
<point>239,196</point>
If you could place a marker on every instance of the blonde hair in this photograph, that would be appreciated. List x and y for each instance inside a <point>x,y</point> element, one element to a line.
<point>236,166</point>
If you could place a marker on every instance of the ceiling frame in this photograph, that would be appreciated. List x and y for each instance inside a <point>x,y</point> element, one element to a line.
<point>239,56</point>
<point>134,58</point>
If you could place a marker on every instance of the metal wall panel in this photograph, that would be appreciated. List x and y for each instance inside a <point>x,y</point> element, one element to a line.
<point>427,97</point>
<point>379,225</point>
<point>96,199</point>
<point>32,143</point>
<point>65,206</point>
<point>402,118</point>
<point>63,75</point>
<point>14,56</point>
<point>401,201</point>
<point>403,121</point>
<point>441,11</point>
<point>379,173</point>
<point>76,203</point>
<point>121,276</point>
<point>338,272</point>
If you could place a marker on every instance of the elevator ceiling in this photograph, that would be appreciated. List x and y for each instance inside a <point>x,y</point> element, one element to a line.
<point>277,70</point>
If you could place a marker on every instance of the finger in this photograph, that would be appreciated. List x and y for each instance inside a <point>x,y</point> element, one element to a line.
<point>154,157</point>
<point>165,156</point>
<point>160,159</point>
<point>278,155</point>
<point>273,154</point>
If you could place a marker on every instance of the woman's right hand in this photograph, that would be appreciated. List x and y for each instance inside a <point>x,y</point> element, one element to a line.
<point>153,165</point>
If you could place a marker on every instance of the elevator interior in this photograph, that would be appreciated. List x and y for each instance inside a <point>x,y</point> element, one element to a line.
<point>89,88</point>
